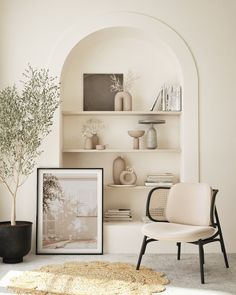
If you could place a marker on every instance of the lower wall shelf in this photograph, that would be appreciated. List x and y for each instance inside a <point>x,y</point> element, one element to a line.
<point>136,187</point>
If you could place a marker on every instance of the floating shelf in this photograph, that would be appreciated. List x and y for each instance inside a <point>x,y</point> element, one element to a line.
<point>177,150</point>
<point>136,187</point>
<point>119,113</point>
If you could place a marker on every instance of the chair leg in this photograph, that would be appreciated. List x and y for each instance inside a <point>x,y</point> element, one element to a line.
<point>203,255</point>
<point>142,251</point>
<point>222,241</point>
<point>223,250</point>
<point>179,250</point>
<point>201,260</point>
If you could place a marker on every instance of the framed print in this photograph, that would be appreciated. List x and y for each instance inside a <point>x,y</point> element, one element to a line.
<point>69,211</point>
<point>97,92</point>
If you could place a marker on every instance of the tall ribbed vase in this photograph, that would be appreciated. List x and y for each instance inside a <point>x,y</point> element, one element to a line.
<point>118,167</point>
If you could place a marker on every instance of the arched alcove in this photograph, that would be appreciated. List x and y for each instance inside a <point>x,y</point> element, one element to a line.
<point>119,50</point>
<point>141,29</point>
<point>117,42</point>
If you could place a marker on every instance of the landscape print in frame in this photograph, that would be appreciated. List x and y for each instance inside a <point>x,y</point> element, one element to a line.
<point>69,211</point>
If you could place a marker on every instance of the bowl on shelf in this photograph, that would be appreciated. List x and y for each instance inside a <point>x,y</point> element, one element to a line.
<point>136,134</point>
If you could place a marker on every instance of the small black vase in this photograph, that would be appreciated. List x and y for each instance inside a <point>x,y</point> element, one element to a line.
<point>15,241</point>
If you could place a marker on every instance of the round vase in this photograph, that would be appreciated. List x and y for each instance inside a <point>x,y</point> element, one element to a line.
<point>151,138</point>
<point>118,167</point>
<point>88,144</point>
<point>95,141</point>
<point>128,177</point>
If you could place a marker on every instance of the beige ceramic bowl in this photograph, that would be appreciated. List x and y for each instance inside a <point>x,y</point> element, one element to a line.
<point>136,133</point>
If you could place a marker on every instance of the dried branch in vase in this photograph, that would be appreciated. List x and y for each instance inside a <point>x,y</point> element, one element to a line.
<point>116,85</point>
<point>92,127</point>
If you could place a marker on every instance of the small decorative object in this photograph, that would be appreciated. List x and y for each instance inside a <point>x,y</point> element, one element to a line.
<point>118,166</point>
<point>123,98</point>
<point>69,211</point>
<point>26,118</point>
<point>100,147</point>
<point>151,133</point>
<point>88,143</point>
<point>97,94</point>
<point>136,134</point>
<point>95,140</point>
<point>128,177</point>
<point>90,130</point>
<point>151,138</point>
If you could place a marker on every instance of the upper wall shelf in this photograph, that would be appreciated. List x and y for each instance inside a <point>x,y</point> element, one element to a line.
<point>117,113</point>
<point>176,150</point>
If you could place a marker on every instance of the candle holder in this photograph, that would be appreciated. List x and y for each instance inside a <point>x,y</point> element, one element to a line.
<point>151,133</point>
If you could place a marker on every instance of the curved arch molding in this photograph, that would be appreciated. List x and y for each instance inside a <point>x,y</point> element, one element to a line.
<point>154,29</point>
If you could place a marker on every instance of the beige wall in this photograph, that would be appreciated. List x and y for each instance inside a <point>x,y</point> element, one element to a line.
<point>30,30</point>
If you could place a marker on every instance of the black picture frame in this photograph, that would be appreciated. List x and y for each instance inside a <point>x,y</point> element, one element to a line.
<point>69,211</point>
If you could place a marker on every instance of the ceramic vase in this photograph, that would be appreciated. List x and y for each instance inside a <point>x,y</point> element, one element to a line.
<point>118,167</point>
<point>151,138</point>
<point>88,144</point>
<point>118,101</point>
<point>95,141</point>
<point>128,177</point>
<point>123,101</point>
<point>127,102</point>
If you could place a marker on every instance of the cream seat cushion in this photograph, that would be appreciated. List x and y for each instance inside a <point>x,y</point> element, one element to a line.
<point>175,232</point>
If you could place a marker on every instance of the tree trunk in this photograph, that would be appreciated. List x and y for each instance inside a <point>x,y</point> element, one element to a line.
<point>13,211</point>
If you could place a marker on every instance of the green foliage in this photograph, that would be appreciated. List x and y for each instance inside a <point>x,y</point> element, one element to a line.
<point>52,190</point>
<point>26,118</point>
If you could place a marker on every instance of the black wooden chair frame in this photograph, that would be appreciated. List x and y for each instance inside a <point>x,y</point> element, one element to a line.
<point>217,237</point>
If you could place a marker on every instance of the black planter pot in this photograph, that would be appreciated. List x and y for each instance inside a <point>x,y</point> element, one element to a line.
<point>15,241</point>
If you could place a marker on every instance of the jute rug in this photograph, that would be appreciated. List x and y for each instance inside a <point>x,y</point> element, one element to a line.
<point>89,278</point>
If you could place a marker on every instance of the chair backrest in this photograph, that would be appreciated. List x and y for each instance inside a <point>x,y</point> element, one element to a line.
<point>189,203</point>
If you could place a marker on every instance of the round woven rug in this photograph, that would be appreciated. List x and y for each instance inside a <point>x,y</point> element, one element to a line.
<point>89,278</point>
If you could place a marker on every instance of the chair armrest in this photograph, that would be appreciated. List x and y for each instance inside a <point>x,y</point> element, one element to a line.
<point>149,200</point>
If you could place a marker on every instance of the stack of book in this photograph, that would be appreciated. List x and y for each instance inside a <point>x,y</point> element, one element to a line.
<point>160,179</point>
<point>169,98</point>
<point>118,215</point>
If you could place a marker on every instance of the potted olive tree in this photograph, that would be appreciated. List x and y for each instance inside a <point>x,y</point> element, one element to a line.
<point>26,117</point>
